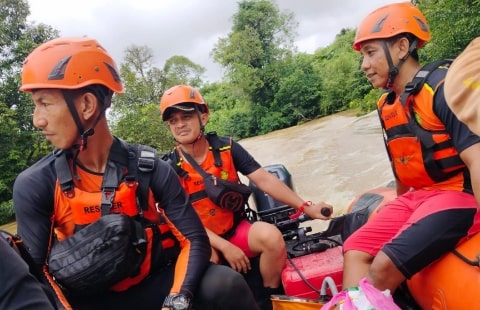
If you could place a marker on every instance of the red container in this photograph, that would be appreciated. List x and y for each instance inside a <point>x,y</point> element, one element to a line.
<point>314,268</point>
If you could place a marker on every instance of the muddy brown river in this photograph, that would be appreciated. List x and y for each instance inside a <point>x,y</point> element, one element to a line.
<point>331,159</point>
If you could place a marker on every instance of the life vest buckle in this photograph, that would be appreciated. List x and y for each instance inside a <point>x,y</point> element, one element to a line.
<point>130,181</point>
<point>411,87</point>
<point>69,193</point>
<point>108,194</point>
<point>146,161</point>
<point>68,190</point>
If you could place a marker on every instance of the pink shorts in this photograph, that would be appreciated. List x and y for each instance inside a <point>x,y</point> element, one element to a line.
<point>418,227</point>
<point>240,238</point>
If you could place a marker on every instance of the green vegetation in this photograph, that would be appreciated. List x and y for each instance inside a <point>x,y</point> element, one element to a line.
<point>267,85</point>
<point>6,212</point>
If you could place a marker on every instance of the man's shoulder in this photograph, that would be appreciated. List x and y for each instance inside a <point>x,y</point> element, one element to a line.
<point>43,166</point>
<point>434,72</point>
<point>40,174</point>
<point>217,141</point>
<point>170,156</point>
<point>136,149</point>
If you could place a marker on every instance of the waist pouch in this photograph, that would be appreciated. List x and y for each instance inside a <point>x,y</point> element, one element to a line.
<point>99,255</point>
<point>226,194</point>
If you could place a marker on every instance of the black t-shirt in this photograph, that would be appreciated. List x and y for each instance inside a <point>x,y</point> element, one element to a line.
<point>243,161</point>
<point>462,137</point>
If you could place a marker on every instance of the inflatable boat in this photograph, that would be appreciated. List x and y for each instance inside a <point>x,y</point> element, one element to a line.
<point>313,271</point>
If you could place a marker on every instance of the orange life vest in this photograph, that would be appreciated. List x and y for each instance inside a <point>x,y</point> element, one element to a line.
<point>219,162</point>
<point>420,149</point>
<point>80,203</point>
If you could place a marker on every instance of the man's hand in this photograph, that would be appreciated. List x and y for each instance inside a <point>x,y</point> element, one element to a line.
<point>236,258</point>
<point>319,210</point>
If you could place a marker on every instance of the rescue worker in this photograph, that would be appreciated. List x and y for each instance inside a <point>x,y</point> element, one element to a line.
<point>233,238</point>
<point>434,157</point>
<point>19,289</point>
<point>71,82</point>
<point>462,86</point>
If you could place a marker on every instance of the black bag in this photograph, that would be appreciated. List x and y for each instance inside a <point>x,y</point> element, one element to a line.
<point>225,194</point>
<point>99,255</point>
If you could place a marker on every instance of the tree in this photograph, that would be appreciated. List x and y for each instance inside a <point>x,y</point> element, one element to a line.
<point>298,95</point>
<point>143,83</point>
<point>453,24</point>
<point>181,70</point>
<point>338,64</point>
<point>261,38</point>
<point>135,114</point>
<point>21,143</point>
<point>144,125</point>
<point>229,114</point>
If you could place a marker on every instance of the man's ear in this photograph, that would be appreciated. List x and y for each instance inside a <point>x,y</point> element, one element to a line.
<point>403,46</point>
<point>204,118</point>
<point>89,105</point>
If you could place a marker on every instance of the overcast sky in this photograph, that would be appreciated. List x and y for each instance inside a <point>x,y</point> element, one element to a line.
<point>189,27</point>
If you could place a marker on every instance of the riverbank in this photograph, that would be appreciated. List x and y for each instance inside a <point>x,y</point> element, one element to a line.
<point>10,227</point>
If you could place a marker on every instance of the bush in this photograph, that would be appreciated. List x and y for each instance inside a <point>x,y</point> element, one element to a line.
<point>7,214</point>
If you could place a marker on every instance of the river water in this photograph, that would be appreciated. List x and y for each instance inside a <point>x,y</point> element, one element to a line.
<point>331,159</point>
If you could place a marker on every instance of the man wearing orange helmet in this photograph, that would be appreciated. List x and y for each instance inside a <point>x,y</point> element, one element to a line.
<point>82,185</point>
<point>232,237</point>
<point>434,157</point>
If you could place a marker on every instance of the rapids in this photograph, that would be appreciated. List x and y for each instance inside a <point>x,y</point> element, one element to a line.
<point>331,159</point>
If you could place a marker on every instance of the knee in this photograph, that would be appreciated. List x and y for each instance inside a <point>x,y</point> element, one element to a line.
<point>354,256</point>
<point>381,269</point>
<point>223,281</point>
<point>223,288</point>
<point>270,237</point>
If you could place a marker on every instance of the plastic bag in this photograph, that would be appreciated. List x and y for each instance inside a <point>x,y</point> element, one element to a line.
<point>378,299</point>
<point>339,301</point>
<point>363,297</point>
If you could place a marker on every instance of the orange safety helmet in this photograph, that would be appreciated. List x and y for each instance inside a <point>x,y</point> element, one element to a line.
<point>391,20</point>
<point>182,97</point>
<point>70,63</point>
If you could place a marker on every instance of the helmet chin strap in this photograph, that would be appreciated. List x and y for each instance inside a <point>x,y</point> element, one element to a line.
<point>393,70</point>
<point>84,134</point>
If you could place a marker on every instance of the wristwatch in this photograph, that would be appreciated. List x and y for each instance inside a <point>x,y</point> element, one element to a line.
<point>177,302</point>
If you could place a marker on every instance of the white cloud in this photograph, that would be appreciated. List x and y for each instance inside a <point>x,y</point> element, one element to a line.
<point>190,27</point>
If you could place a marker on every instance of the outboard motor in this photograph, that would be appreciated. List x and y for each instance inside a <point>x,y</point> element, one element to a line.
<point>268,209</point>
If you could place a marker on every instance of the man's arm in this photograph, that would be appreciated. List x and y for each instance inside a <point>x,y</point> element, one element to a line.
<point>235,256</point>
<point>279,191</point>
<point>471,158</point>
<point>19,289</point>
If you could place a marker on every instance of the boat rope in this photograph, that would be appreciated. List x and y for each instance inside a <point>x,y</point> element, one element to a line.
<point>475,262</point>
